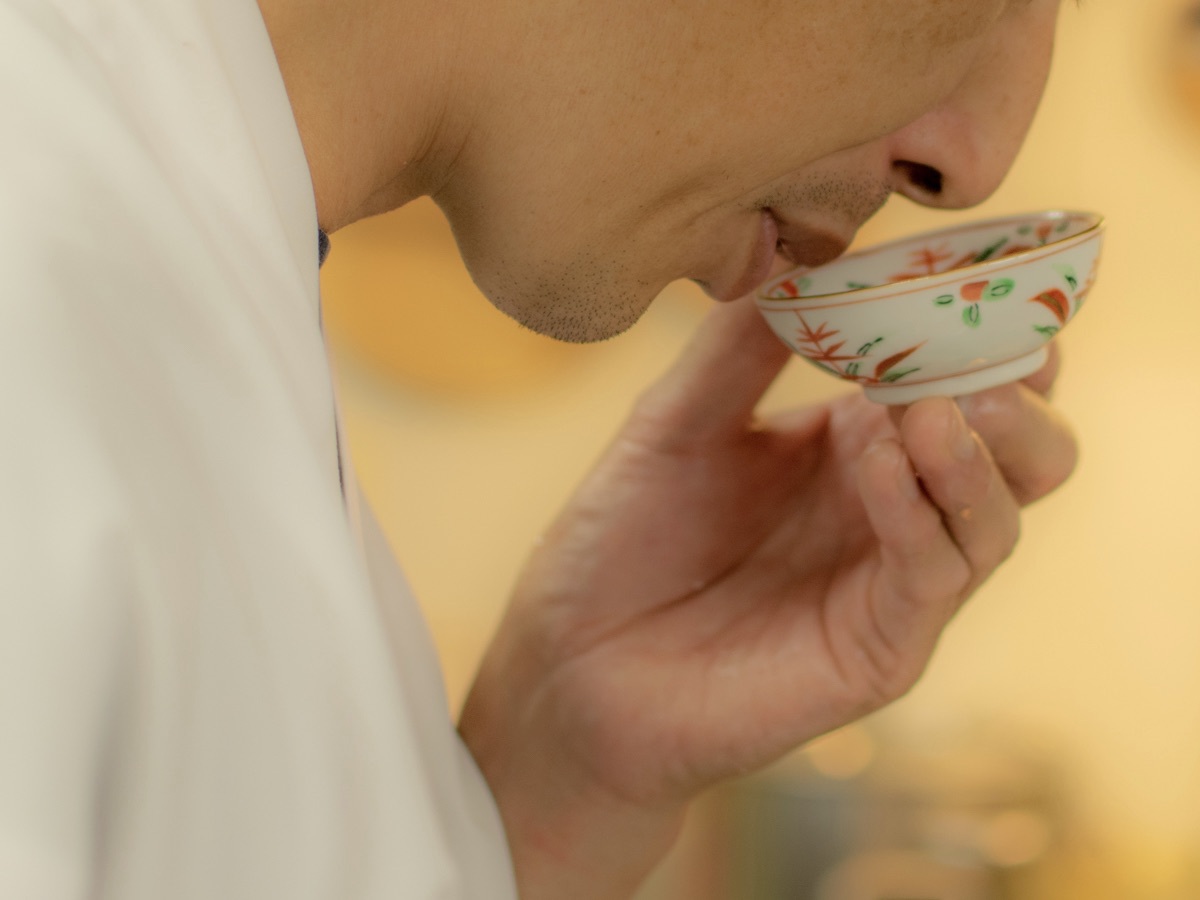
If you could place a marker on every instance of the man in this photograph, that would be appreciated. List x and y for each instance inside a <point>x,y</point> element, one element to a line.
<point>213,683</point>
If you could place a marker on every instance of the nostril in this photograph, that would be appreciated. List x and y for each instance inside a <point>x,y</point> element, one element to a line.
<point>925,178</point>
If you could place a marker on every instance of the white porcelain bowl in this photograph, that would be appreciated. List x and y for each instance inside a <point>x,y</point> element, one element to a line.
<point>945,313</point>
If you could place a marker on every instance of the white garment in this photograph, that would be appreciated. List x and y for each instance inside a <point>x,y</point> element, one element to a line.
<point>209,689</point>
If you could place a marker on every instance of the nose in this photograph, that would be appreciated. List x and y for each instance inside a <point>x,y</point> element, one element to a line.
<point>957,154</point>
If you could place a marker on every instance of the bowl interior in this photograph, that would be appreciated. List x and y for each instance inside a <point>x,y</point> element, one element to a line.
<point>933,254</point>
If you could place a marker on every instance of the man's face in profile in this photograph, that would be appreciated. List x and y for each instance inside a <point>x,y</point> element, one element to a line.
<point>640,143</point>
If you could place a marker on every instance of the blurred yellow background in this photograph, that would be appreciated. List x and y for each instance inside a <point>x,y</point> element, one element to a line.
<point>468,433</point>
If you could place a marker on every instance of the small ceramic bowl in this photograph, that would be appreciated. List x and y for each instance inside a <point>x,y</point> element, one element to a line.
<point>945,313</point>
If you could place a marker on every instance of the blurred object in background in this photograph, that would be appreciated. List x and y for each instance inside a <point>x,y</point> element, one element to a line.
<point>399,299</point>
<point>857,816</point>
<point>1183,58</point>
<point>885,875</point>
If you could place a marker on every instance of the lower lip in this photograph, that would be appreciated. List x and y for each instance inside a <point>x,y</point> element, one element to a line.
<point>759,269</point>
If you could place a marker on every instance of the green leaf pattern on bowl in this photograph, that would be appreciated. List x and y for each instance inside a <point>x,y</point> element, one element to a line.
<point>1062,305</point>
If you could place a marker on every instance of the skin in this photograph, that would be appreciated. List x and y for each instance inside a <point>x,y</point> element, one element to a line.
<point>722,588</point>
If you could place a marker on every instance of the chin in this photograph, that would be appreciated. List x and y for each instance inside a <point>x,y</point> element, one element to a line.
<point>575,320</point>
<point>578,310</point>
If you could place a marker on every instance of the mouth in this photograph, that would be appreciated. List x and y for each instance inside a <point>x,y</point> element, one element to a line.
<point>811,247</point>
<point>777,241</point>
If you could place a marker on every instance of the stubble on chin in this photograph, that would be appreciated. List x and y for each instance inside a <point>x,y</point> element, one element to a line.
<point>582,303</point>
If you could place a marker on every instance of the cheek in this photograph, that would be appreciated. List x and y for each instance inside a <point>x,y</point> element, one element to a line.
<point>940,24</point>
<point>831,75</point>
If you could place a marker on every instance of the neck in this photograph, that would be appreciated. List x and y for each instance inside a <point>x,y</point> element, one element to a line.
<point>373,87</point>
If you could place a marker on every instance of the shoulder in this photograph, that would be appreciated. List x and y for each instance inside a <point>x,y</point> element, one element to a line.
<point>148,306</point>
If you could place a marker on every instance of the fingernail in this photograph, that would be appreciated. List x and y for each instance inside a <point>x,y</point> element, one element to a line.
<point>962,442</point>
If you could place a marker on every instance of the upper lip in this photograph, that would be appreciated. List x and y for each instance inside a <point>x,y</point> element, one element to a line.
<point>810,245</point>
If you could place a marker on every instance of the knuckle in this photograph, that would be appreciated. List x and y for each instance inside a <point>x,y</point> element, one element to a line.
<point>647,408</point>
<point>1053,470</point>
<point>1005,547</point>
<point>956,582</point>
<point>885,674</point>
<point>883,685</point>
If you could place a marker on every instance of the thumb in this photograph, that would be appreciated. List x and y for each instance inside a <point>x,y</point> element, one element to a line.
<point>715,385</point>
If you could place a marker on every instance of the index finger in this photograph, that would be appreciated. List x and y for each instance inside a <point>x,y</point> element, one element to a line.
<point>715,385</point>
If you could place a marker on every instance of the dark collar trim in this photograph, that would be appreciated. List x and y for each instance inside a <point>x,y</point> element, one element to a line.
<point>322,247</point>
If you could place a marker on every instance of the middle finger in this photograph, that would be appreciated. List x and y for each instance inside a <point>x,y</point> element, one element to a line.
<point>962,479</point>
<point>1031,442</point>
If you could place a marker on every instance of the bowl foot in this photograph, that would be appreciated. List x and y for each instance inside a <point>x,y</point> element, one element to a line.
<point>957,385</point>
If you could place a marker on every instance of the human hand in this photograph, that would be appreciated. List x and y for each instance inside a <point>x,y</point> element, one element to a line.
<point>723,589</point>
